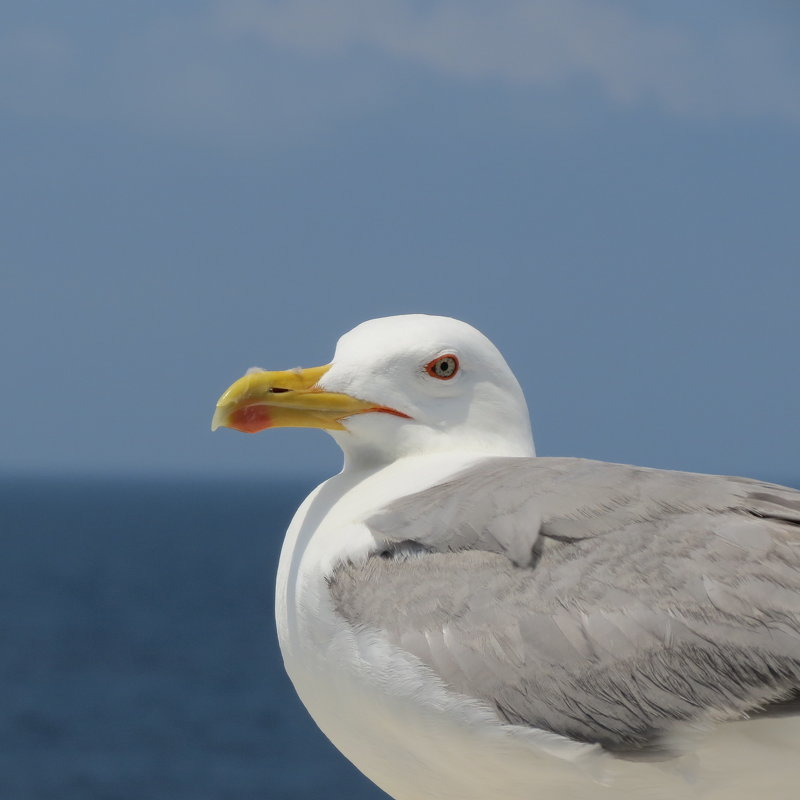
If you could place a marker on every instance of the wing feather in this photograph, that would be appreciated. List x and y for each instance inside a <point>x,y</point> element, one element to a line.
<point>600,601</point>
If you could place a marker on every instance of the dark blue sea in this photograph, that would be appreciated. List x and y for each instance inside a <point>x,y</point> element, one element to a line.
<point>139,659</point>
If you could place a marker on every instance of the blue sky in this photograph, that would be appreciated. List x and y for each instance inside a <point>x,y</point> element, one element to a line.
<point>609,190</point>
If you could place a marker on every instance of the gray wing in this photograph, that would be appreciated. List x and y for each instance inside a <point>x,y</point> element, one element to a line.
<point>599,601</point>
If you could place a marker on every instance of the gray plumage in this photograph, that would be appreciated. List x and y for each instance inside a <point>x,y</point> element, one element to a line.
<point>599,601</point>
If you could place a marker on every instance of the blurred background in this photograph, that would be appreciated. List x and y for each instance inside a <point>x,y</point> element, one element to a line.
<point>610,190</point>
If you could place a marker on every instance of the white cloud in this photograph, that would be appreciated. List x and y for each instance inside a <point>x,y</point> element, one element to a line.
<point>730,68</point>
<point>261,69</point>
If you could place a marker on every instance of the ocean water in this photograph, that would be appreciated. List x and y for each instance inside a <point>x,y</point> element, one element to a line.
<point>139,658</point>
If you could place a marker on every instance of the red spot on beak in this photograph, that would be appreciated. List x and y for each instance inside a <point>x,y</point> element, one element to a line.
<point>250,419</point>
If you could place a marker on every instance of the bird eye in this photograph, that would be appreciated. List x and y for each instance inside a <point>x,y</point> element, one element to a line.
<point>444,367</point>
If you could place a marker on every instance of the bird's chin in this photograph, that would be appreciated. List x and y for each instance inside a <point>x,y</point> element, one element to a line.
<point>375,438</point>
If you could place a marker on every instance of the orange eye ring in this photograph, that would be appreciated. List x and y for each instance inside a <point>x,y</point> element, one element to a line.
<point>443,368</point>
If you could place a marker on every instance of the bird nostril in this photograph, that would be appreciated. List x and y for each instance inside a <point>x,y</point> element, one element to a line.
<point>277,390</point>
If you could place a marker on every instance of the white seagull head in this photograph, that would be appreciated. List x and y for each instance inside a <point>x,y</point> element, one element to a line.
<point>397,386</point>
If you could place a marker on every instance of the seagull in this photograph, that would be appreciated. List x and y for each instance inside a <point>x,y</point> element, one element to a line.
<point>467,621</point>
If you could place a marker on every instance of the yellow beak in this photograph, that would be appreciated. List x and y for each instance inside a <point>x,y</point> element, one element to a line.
<point>261,400</point>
